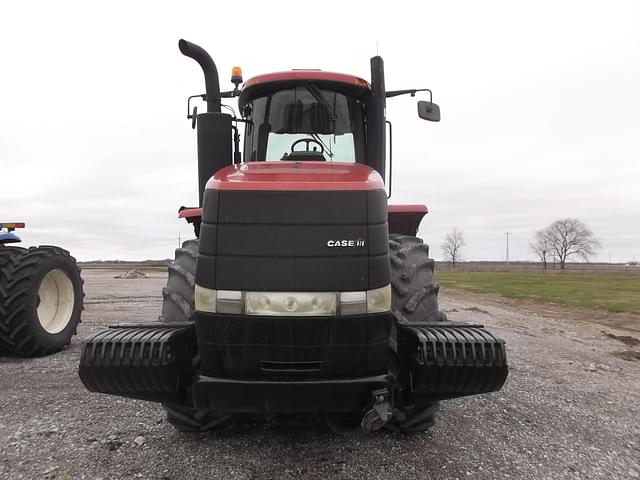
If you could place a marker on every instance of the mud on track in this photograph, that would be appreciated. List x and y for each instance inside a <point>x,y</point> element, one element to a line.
<point>570,409</point>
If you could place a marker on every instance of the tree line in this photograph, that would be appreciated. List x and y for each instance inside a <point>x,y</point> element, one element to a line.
<point>560,241</point>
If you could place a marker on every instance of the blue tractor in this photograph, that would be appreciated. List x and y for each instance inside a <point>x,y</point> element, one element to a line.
<point>41,296</point>
<point>6,233</point>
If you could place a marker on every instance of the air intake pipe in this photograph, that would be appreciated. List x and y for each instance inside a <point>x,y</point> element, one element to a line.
<point>214,128</point>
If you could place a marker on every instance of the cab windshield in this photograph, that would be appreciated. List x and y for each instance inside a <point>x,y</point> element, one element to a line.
<point>304,123</point>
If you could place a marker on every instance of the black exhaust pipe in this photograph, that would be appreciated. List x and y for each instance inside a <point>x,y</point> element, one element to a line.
<point>376,126</point>
<point>214,128</point>
<point>211,80</point>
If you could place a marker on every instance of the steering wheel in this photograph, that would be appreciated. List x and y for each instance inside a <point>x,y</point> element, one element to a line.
<point>307,141</point>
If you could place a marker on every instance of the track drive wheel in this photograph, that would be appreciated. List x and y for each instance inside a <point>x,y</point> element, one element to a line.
<point>414,299</point>
<point>41,299</point>
<point>178,306</point>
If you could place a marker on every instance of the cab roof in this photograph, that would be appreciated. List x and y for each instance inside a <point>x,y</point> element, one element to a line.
<point>270,82</point>
<point>311,75</point>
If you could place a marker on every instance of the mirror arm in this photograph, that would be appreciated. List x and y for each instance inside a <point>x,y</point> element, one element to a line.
<point>412,92</point>
<point>230,93</point>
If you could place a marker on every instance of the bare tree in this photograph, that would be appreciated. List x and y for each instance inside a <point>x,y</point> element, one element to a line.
<point>453,243</point>
<point>570,237</point>
<point>541,247</point>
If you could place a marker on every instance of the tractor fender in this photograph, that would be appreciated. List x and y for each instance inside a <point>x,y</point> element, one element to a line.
<point>405,219</point>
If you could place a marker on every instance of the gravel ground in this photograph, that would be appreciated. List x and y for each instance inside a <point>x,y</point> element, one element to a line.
<point>570,409</point>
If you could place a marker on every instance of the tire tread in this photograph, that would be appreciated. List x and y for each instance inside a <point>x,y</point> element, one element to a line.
<point>18,272</point>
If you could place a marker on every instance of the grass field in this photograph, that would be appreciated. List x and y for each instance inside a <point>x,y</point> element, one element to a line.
<point>615,293</point>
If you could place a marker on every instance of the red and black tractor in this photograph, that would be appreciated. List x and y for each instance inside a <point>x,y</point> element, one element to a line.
<point>304,292</point>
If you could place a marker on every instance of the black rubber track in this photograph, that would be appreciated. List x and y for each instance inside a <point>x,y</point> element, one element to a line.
<point>414,418</point>
<point>178,306</point>
<point>414,299</point>
<point>188,419</point>
<point>20,330</point>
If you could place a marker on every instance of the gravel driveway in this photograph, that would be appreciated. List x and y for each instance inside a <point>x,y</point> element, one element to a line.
<point>570,409</point>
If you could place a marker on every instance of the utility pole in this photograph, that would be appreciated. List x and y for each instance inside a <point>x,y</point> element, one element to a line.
<point>179,240</point>
<point>507,234</point>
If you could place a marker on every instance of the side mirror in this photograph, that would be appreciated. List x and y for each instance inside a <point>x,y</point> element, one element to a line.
<point>429,111</point>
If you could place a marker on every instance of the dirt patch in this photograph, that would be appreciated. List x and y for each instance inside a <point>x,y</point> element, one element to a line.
<point>626,339</point>
<point>625,323</point>
<point>475,309</point>
<point>628,355</point>
<point>132,274</point>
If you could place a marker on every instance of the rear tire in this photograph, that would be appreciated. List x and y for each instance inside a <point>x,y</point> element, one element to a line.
<point>414,299</point>
<point>178,306</point>
<point>41,300</point>
<point>7,259</point>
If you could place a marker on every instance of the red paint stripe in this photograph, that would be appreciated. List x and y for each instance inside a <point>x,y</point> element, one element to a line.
<point>190,212</point>
<point>306,75</point>
<point>298,176</point>
<point>409,208</point>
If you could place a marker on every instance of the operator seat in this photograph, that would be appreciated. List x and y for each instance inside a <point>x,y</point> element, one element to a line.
<point>303,156</point>
<point>297,119</point>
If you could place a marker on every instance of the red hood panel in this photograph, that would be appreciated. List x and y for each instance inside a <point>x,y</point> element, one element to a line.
<point>283,175</point>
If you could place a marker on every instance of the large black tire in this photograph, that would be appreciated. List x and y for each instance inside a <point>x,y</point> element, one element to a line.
<point>415,294</point>
<point>41,300</point>
<point>8,256</point>
<point>414,299</point>
<point>178,306</point>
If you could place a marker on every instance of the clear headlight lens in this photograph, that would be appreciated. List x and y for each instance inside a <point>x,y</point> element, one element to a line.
<point>290,303</point>
<point>205,299</point>
<point>379,300</point>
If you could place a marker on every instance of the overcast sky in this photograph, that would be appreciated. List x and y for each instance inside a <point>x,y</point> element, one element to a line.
<point>540,107</point>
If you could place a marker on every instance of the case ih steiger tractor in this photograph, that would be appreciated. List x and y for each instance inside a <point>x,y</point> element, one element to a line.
<point>304,292</point>
<point>41,296</point>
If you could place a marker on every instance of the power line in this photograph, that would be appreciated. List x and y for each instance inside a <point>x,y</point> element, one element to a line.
<point>507,234</point>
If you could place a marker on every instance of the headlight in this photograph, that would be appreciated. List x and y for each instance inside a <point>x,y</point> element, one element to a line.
<point>205,299</point>
<point>290,303</point>
<point>379,300</point>
<point>310,304</point>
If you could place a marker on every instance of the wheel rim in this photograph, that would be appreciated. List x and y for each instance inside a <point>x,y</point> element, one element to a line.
<point>55,301</point>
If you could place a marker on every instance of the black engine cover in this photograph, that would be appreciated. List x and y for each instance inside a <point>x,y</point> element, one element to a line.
<point>278,240</point>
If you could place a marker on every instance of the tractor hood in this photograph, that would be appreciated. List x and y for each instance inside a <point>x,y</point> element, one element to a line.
<point>283,175</point>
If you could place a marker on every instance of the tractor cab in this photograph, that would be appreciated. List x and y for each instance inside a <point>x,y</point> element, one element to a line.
<point>304,115</point>
<point>6,233</point>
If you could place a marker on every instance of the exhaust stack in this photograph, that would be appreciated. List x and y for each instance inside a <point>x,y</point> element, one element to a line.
<point>376,126</point>
<point>214,128</point>
<point>211,79</point>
